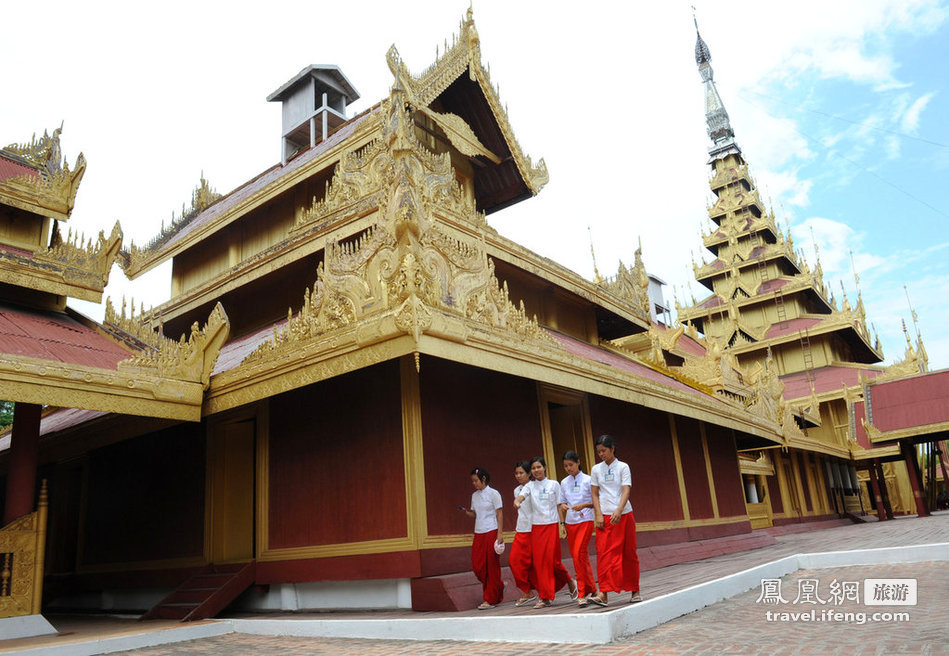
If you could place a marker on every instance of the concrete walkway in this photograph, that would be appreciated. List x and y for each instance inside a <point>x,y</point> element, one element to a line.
<point>851,552</point>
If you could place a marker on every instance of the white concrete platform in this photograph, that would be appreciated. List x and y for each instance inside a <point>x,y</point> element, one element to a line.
<point>586,626</point>
<point>26,626</point>
<point>113,644</point>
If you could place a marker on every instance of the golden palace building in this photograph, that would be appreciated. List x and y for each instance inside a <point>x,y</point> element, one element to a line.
<point>352,336</point>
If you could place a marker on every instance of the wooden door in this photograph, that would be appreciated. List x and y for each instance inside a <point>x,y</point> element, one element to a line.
<point>231,491</point>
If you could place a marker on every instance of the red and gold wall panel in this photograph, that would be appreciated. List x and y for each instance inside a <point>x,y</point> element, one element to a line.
<point>145,498</point>
<point>694,468</point>
<point>724,458</point>
<point>336,471</point>
<point>644,442</point>
<point>473,417</point>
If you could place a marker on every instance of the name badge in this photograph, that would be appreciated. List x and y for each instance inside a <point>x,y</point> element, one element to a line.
<point>543,496</point>
<point>576,489</point>
<point>609,476</point>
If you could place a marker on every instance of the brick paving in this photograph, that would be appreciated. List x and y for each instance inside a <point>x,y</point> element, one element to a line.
<point>735,626</point>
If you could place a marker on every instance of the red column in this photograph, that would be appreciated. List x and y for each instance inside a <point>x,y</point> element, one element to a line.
<point>877,497</point>
<point>24,452</point>
<point>915,478</point>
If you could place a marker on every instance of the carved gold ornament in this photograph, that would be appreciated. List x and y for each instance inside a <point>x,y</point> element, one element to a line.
<point>189,359</point>
<point>52,191</point>
<point>631,285</point>
<point>464,54</point>
<point>405,274</point>
<point>22,555</point>
<point>202,197</point>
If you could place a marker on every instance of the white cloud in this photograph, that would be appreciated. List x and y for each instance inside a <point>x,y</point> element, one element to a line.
<point>910,121</point>
<point>892,145</point>
<point>839,246</point>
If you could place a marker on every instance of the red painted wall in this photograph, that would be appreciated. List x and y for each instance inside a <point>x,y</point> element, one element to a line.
<point>473,417</point>
<point>724,458</point>
<point>693,468</point>
<point>908,402</point>
<point>336,467</point>
<point>644,442</point>
<point>145,498</point>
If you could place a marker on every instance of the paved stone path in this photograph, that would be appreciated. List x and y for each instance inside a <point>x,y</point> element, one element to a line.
<point>736,626</point>
<point>739,625</point>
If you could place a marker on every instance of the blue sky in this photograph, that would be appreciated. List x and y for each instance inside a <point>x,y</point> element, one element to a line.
<point>865,163</point>
<point>610,97</point>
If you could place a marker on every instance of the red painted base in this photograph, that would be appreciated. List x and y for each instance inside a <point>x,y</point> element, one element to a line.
<point>462,591</point>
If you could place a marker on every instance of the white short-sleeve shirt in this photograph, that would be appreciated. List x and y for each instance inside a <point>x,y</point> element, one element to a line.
<point>575,490</point>
<point>523,513</point>
<point>610,479</point>
<point>545,498</point>
<point>484,503</point>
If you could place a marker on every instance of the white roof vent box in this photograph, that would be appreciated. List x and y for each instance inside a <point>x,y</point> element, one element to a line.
<point>314,103</point>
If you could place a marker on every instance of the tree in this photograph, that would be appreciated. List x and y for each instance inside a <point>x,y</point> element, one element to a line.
<point>6,413</point>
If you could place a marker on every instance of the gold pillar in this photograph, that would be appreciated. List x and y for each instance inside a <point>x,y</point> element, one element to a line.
<point>413,453</point>
<point>680,474</point>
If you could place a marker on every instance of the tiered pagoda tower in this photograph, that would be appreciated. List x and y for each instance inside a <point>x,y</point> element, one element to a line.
<point>769,308</point>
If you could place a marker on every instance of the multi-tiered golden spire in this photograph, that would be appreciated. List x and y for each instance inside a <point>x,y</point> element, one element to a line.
<point>764,296</point>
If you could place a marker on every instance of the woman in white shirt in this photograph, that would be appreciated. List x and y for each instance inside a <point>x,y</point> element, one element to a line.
<point>486,509</point>
<point>549,573</point>
<point>617,565</point>
<point>520,556</point>
<point>576,508</point>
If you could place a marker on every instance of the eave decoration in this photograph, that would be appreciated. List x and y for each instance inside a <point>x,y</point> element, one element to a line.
<point>52,191</point>
<point>420,91</point>
<point>405,274</point>
<point>189,359</point>
<point>134,257</point>
<point>73,266</point>
<point>718,370</point>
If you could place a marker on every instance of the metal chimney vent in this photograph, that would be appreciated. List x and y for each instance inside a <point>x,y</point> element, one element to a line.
<point>314,102</point>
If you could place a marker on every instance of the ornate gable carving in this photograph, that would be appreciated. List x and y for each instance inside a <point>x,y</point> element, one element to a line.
<point>631,285</point>
<point>405,271</point>
<point>361,178</point>
<point>464,53</point>
<point>767,399</point>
